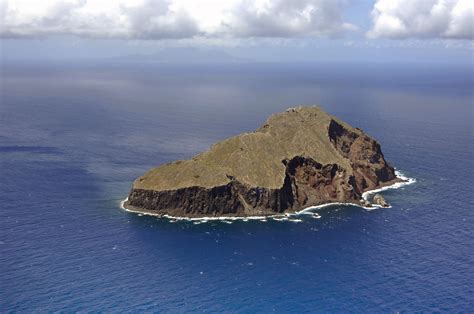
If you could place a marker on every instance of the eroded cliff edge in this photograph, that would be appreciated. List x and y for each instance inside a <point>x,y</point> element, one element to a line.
<point>299,158</point>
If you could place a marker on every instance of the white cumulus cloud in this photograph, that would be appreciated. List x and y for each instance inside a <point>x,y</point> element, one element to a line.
<point>172,19</point>
<point>288,18</point>
<point>452,19</point>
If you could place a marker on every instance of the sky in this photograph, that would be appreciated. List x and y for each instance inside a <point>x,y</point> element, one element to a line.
<point>263,30</point>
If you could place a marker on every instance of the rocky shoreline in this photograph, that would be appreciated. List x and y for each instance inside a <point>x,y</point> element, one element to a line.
<point>401,182</point>
<point>326,161</point>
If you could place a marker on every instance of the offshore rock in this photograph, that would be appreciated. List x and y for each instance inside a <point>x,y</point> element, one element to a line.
<point>299,158</point>
<point>380,200</point>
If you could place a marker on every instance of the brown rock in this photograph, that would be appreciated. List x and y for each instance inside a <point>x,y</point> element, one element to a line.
<point>380,200</point>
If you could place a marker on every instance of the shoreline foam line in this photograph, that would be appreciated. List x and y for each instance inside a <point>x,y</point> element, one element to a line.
<point>406,181</point>
<point>287,216</point>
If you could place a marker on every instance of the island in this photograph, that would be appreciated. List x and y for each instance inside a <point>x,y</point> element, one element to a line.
<point>299,158</point>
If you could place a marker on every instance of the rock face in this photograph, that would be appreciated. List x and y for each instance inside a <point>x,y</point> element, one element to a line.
<point>380,200</point>
<point>299,158</point>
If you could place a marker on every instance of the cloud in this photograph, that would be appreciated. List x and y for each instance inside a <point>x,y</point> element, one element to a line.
<point>282,18</point>
<point>451,19</point>
<point>155,19</point>
<point>148,19</point>
<point>173,19</point>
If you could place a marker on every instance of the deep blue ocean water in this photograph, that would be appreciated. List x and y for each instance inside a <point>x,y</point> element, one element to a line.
<point>73,137</point>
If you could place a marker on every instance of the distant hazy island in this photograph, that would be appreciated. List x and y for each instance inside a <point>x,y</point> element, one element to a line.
<point>300,158</point>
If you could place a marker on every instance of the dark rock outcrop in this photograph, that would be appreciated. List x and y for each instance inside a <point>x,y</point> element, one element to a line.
<point>297,159</point>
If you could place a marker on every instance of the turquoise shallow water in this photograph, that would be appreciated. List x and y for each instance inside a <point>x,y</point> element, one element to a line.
<point>73,138</point>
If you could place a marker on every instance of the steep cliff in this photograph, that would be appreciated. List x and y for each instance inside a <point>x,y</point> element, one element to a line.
<point>299,158</point>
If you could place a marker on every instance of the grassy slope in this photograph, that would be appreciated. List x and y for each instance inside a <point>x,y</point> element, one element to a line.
<point>253,158</point>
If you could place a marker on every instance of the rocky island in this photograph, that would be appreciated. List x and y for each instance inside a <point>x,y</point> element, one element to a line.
<point>300,158</point>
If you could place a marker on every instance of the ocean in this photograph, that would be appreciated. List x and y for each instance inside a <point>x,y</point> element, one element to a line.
<point>74,136</point>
